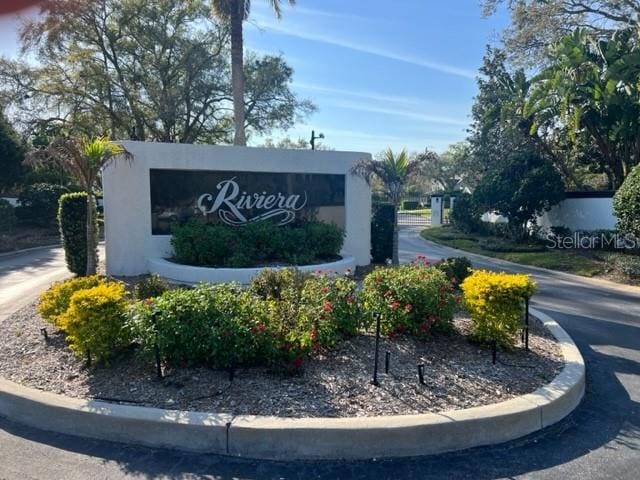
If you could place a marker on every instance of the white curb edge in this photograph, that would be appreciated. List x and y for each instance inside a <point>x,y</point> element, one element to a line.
<point>307,438</point>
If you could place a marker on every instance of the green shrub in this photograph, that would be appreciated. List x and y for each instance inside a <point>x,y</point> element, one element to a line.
<point>282,319</point>
<point>271,284</point>
<point>410,299</point>
<point>382,220</point>
<point>625,265</point>
<point>95,321</point>
<point>455,268</point>
<point>150,287</point>
<point>410,205</point>
<point>465,216</point>
<point>72,218</point>
<point>259,243</point>
<point>54,303</point>
<point>221,326</point>
<point>7,216</point>
<point>39,204</point>
<point>626,204</point>
<point>324,239</point>
<point>496,303</point>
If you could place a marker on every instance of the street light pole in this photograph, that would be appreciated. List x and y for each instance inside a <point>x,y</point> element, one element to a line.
<point>314,137</point>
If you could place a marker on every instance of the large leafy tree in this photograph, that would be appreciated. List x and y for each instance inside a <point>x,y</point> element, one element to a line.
<point>234,13</point>
<point>452,170</point>
<point>83,159</point>
<point>523,186</point>
<point>11,155</point>
<point>142,70</point>
<point>501,123</point>
<point>591,88</point>
<point>394,172</point>
<point>535,24</point>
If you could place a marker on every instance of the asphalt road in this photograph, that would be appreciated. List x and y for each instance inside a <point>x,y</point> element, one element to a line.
<point>601,439</point>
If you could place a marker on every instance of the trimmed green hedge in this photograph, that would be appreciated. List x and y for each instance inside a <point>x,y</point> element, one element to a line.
<point>382,232</point>
<point>7,216</point>
<point>626,204</point>
<point>72,218</point>
<point>213,245</point>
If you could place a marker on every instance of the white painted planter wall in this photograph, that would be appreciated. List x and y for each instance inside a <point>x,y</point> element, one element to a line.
<point>127,203</point>
<point>581,214</point>
<point>191,275</point>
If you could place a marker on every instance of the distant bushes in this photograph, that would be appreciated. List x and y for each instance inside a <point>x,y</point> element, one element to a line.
<point>203,244</point>
<point>7,216</point>
<point>464,215</point>
<point>38,204</point>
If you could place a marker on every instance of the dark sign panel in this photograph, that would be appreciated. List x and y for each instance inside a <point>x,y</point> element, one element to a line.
<point>237,198</point>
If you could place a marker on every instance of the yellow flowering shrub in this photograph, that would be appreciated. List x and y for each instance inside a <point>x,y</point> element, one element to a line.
<point>55,301</point>
<point>495,302</point>
<point>95,320</point>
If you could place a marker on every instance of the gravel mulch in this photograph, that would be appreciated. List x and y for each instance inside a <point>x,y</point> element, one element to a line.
<point>458,374</point>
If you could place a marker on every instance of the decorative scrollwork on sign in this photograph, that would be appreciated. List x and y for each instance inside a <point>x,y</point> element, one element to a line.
<point>232,205</point>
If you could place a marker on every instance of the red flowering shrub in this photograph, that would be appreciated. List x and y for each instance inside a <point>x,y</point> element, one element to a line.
<point>306,312</point>
<point>409,298</point>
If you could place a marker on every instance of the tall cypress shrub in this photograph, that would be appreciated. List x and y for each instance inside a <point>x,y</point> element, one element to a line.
<point>382,232</point>
<point>72,218</point>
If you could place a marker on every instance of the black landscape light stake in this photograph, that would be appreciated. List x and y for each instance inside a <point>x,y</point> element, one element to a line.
<point>156,348</point>
<point>45,334</point>
<point>494,351</point>
<point>232,373</point>
<point>421,373</point>
<point>88,358</point>
<point>376,315</point>
<point>157,354</point>
<point>526,323</point>
<point>387,359</point>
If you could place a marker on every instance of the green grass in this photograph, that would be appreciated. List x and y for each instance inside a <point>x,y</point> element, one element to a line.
<point>583,263</point>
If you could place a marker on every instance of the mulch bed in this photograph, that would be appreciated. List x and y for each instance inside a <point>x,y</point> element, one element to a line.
<point>458,374</point>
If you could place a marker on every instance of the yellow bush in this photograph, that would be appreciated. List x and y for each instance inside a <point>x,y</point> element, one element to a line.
<point>55,301</point>
<point>495,302</point>
<point>95,320</point>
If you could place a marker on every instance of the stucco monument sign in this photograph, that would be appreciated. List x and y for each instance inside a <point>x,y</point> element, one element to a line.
<point>168,183</point>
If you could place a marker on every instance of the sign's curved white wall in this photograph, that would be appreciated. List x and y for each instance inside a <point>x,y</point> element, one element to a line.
<point>127,194</point>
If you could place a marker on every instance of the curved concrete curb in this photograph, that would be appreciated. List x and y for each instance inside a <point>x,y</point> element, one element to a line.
<point>313,438</point>
<point>191,275</point>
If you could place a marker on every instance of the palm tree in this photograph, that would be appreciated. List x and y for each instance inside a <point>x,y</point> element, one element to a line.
<point>235,12</point>
<point>394,172</point>
<point>83,159</point>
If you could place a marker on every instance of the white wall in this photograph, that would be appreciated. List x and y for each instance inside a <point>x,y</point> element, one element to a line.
<point>127,196</point>
<point>581,214</point>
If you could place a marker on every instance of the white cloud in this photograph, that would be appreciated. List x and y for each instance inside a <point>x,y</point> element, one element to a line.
<point>437,119</point>
<point>267,23</point>
<point>358,93</point>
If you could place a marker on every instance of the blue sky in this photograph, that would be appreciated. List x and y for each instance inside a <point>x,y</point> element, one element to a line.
<point>380,76</point>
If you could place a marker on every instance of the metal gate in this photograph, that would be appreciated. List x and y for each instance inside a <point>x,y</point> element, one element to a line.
<point>415,211</point>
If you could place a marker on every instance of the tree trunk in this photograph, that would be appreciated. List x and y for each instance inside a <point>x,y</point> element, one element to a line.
<point>92,244</point>
<point>395,259</point>
<point>237,71</point>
